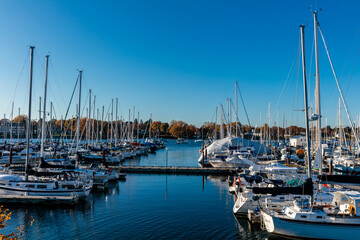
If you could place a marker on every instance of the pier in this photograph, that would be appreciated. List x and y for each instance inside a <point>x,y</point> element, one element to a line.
<point>177,170</point>
<point>47,200</point>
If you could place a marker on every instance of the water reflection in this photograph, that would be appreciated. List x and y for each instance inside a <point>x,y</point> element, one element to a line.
<point>145,206</point>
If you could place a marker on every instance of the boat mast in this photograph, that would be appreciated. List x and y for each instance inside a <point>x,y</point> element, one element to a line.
<point>221,122</point>
<point>44,113</point>
<point>18,127</point>
<point>51,109</point>
<point>128,128</point>
<point>89,121</point>
<point>340,127</point>
<point>97,125</point>
<point>112,120</point>
<point>150,126</point>
<point>317,90</point>
<point>138,121</point>
<point>116,122</point>
<point>79,113</point>
<point>215,130</point>
<point>93,121</point>
<point>236,99</point>
<point>305,100</point>
<point>261,127</point>
<point>102,124</point>
<point>29,115</point>
<point>12,120</point>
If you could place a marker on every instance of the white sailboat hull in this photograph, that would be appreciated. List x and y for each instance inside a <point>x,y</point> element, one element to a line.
<point>311,230</point>
<point>81,193</point>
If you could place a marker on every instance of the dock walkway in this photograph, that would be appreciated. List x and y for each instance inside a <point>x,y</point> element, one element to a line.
<point>177,170</point>
<point>47,200</point>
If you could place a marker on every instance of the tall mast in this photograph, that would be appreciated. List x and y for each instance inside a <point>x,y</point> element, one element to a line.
<point>215,130</point>
<point>228,117</point>
<point>133,125</point>
<point>102,124</point>
<point>112,120</point>
<point>97,125</point>
<point>317,91</point>
<point>150,126</point>
<point>12,119</point>
<point>79,113</point>
<point>221,122</point>
<point>230,102</point>
<point>29,114</point>
<point>305,100</point>
<point>278,128</point>
<point>128,132</point>
<point>138,121</point>
<point>261,141</point>
<point>44,113</point>
<point>18,126</point>
<point>39,125</point>
<point>89,121</point>
<point>237,117</point>
<point>51,109</point>
<point>116,121</point>
<point>93,121</point>
<point>4,126</point>
<point>340,126</point>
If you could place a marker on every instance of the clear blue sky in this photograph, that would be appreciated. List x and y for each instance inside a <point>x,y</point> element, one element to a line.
<point>178,59</point>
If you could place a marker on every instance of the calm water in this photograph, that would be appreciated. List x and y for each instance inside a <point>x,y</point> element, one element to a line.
<point>146,206</point>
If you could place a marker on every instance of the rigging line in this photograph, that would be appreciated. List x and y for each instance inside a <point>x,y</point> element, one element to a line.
<point>242,100</point>
<point>56,81</point>
<point>21,72</point>
<point>354,64</point>
<point>338,85</point>
<point>67,111</point>
<point>309,73</point>
<point>237,119</point>
<point>296,59</point>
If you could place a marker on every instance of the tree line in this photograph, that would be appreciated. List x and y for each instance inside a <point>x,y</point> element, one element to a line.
<point>174,129</point>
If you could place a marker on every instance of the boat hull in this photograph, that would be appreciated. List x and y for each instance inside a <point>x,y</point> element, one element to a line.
<point>310,230</point>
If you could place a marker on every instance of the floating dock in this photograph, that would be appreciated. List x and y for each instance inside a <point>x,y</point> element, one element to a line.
<point>178,170</point>
<point>48,200</point>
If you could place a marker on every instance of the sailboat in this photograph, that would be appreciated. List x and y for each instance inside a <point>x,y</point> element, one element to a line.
<point>303,219</point>
<point>64,185</point>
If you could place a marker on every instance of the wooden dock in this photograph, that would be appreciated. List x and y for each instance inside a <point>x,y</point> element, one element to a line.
<point>178,170</point>
<point>48,200</point>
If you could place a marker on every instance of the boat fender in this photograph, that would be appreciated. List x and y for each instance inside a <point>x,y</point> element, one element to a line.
<point>352,210</point>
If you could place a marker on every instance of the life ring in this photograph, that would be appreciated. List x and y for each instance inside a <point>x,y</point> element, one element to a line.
<point>352,210</point>
<point>110,170</point>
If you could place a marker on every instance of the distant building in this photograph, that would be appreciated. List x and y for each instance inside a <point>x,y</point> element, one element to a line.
<point>297,141</point>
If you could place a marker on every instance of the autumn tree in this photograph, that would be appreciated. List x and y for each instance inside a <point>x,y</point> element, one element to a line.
<point>177,128</point>
<point>5,215</point>
<point>191,130</point>
<point>155,126</point>
<point>164,128</point>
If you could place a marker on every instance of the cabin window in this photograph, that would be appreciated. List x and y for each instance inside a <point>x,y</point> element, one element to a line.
<point>2,184</point>
<point>41,186</point>
<point>319,217</point>
<point>30,185</point>
<point>303,216</point>
<point>282,198</point>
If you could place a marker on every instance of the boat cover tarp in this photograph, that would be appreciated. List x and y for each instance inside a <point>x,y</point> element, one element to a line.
<point>305,189</point>
<point>236,143</point>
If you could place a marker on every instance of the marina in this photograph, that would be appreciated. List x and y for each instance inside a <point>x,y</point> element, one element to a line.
<point>179,121</point>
